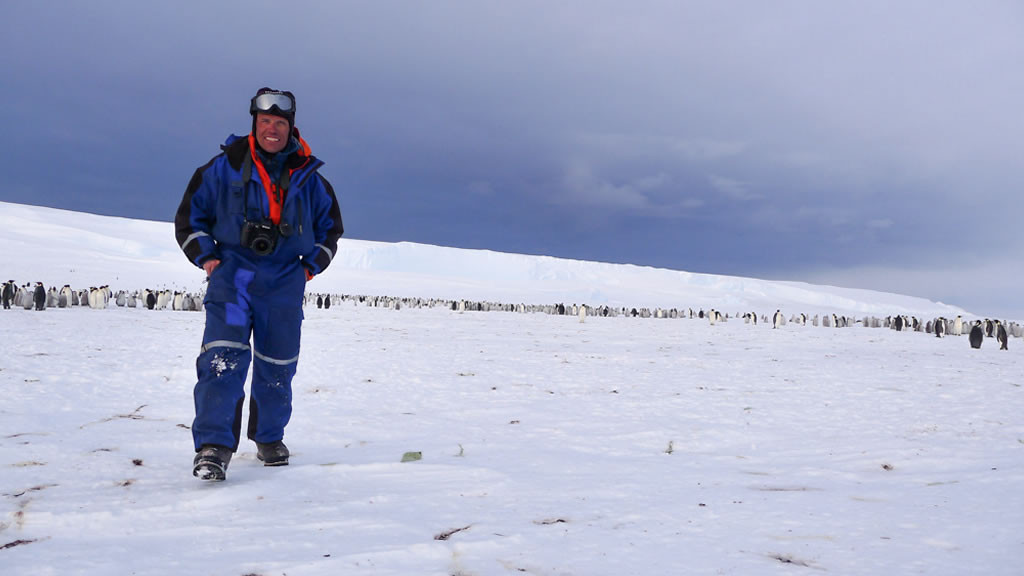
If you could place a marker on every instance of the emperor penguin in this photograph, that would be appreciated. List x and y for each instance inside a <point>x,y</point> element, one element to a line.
<point>68,296</point>
<point>940,327</point>
<point>9,289</point>
<point>776,319</point>
<point>26,296</point>
<point>39,296</point>
<point>1001,335</point>
<point>977,335</point>
<point>958,326</point>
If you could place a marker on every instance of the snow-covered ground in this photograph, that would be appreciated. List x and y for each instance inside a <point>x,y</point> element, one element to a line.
<point>549,446</point>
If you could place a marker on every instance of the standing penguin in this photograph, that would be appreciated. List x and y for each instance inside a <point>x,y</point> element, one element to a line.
<point>39,296</point>
<point>24,296</point>
<point>777,319</point>
<point>65,296</point>
<point>1001,335</point>
<point>95,298</point>
<point>8,293</point>
<point>977,335</point>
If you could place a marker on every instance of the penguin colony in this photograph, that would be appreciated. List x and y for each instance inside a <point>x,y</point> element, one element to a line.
<point>940,327</point>
<point>35,296</point>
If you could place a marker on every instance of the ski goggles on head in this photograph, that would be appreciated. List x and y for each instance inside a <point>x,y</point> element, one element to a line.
<point>266,101</point>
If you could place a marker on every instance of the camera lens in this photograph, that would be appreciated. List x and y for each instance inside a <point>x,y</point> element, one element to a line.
<point>260,237</point>
<point>262,245</point>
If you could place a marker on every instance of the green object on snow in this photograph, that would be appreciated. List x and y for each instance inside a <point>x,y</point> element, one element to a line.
<point>412,456</point>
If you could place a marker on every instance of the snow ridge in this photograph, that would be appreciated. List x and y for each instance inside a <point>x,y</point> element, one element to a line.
<point>87,249</point>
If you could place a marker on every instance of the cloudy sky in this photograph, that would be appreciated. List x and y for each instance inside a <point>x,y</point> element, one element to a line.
<point>870,144</point>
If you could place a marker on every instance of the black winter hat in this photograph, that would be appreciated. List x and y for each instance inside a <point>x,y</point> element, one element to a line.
<point>275,102</point>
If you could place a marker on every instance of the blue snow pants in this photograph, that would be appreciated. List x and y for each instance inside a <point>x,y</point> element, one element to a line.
<point>223,364</point>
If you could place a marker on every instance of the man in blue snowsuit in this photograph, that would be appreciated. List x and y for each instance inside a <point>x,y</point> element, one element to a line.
<point>261,221</point>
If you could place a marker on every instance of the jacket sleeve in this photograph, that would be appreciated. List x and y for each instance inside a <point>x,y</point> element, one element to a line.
<point>193,223</point>
<point>327,228</point>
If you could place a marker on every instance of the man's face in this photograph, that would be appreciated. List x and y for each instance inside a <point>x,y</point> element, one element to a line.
<point>271,132</point>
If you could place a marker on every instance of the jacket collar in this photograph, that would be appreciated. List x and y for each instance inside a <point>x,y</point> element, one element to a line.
<point>236,148</point>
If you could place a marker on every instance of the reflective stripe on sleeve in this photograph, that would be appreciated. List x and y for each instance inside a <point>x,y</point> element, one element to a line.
<point>330,255</point>
<point>192,237</point>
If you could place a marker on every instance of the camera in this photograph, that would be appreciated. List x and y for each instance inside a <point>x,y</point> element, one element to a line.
<point>260,237</point>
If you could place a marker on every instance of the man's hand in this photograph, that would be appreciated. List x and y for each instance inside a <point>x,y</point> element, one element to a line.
<point>209,265</point>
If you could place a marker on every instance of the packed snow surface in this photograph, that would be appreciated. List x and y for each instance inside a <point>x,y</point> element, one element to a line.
<point>534,443</point>
<point>549,446</point>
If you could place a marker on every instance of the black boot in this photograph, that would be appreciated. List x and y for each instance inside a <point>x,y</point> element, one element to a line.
<point>272,453</point>
<point>211,462</point>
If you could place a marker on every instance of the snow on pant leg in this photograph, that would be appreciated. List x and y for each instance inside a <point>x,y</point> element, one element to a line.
<point>222,367</point>
<point>276,331</point>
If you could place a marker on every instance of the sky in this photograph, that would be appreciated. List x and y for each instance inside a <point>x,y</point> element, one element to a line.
<point>862,144</point>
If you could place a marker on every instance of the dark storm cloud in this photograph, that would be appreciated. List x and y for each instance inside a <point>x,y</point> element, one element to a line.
<point>795,140</point>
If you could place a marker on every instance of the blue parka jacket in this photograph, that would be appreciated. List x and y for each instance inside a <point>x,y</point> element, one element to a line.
<point>209,223</point>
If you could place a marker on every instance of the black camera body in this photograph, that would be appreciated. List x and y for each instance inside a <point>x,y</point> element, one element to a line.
<point>260,237</point>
